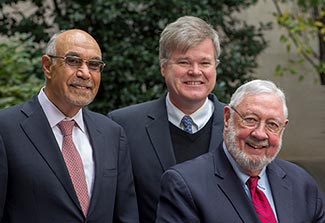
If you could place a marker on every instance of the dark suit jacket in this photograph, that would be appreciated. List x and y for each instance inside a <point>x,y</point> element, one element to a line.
<point>208,190</point>
<point>147,129</point>
<point>35,186</point>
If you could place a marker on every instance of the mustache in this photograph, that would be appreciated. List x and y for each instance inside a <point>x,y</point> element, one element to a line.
<point>259,143</point>
<point>82,83</point>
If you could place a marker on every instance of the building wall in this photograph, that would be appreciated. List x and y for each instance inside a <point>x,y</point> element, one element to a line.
<point>304,137</point>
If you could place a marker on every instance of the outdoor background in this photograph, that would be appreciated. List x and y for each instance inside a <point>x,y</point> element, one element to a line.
<point>304,138</point>
<point>254,45</point>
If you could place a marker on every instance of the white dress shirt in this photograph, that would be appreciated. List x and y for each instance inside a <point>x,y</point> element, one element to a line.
<point>200,117</point>
<point>79,135</point>
<point>263,182</point>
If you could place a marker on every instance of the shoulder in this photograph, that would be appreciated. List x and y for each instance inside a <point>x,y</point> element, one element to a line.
<point>216,101</point>
<point>292,171</point>
<point>10,111</point>
<point>218,106</point>
<point>190,174</point>
<point>19,112</point>
<point>101,121</point>
<point>136,107</point>
<point>138,110</point>
<point>197,167</point>
<point>289,167</point>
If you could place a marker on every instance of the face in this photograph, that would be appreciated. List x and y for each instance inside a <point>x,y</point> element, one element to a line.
<point>191,76</point>
<point>254,148</point>
<point>71,88</point>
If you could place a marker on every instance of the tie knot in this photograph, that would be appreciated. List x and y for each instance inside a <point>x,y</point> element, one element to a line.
<point>66,127</point>
<point>187,123</point>
<point>252,182</point>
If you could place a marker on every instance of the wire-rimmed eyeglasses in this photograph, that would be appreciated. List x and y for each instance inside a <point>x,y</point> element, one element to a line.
<point>252,121</point>
<point>74,61</point>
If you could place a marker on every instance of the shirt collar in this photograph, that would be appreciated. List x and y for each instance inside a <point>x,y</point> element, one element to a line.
<point>199,117</point>
<point>54,115</point>
<point>240,173</point>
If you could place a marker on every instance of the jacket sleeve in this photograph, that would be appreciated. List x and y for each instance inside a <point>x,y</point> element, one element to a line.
<point>176,203</point>
<point>126,210</point>
<point>3,177</point>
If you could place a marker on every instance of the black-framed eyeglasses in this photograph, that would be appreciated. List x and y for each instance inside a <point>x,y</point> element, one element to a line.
<point>253,121</point>
<point>74,61</point>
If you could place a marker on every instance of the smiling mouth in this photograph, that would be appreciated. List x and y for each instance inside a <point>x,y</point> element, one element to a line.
<point>256,146</point>
<point>193,82</point>
<point>81,87</point>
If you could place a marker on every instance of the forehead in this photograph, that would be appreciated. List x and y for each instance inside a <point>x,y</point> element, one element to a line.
<point>204,49</point>
<point>265,104</point>
<point>78,42</point>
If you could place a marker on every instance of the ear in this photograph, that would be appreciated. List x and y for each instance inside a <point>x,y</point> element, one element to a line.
<point>286,122</point>
<point>47,66</point>
<point>163,69</point>
<point>226,116</point>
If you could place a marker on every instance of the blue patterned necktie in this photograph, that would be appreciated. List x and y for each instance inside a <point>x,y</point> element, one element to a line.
<point>187,123</point>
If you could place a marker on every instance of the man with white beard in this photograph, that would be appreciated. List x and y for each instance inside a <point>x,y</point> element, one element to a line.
<point>242,180</point>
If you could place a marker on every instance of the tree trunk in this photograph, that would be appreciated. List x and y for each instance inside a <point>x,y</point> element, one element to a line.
<point>321,40</point>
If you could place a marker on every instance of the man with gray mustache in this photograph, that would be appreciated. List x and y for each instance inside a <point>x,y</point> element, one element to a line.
<point>243,181</point>
<point>59,162</point>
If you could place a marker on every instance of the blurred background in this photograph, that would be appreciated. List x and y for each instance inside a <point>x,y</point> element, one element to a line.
<point>279,40</point>
<point>304,138</point>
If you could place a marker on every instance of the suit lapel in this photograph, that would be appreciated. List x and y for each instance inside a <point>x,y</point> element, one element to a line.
<point>97,143</point>
<point>281,192</point>
<point>217,124</point>
<point>159,134</point>
<point>230,185</point>
<point>38,130</point>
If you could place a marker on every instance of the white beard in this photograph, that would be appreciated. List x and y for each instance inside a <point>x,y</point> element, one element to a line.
<point>244,160</point>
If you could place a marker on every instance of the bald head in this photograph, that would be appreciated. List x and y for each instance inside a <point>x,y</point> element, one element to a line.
<point>61,41</point>
<point>70,82</point>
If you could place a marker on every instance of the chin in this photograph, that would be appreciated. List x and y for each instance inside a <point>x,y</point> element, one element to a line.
<point>80,102</point>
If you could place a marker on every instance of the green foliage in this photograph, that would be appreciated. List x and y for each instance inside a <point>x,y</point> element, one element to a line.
<point>304,21</point>
<point>18,82</point>
<point>128,32</point>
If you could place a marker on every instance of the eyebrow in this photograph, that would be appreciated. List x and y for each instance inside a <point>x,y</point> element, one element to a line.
<point>72,54</point>
<point>78,55</point>
<point>188,58</point>
<point>253,113</point>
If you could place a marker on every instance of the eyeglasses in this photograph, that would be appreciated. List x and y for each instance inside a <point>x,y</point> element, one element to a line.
<point>74,61</point>
<point>252,122</point>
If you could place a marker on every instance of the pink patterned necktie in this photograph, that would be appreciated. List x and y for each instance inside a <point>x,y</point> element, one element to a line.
<point>260,202</point>
<point>74,164</point>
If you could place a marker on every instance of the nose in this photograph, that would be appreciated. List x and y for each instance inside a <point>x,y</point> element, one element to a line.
<point>195,69</point>
<point>83,72</point>
<point>260,132</point>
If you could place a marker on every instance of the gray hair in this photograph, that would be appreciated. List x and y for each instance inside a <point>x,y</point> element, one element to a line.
<point>256,87</point>
<point>184,33</point>
<point>50,48</point>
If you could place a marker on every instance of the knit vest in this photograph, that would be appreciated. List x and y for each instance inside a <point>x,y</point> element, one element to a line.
<point>188,146</point>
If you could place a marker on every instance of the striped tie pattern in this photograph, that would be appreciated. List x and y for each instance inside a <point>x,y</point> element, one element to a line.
<point>74,164</point>
<point>187,123</point>
<point>260,202</point>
